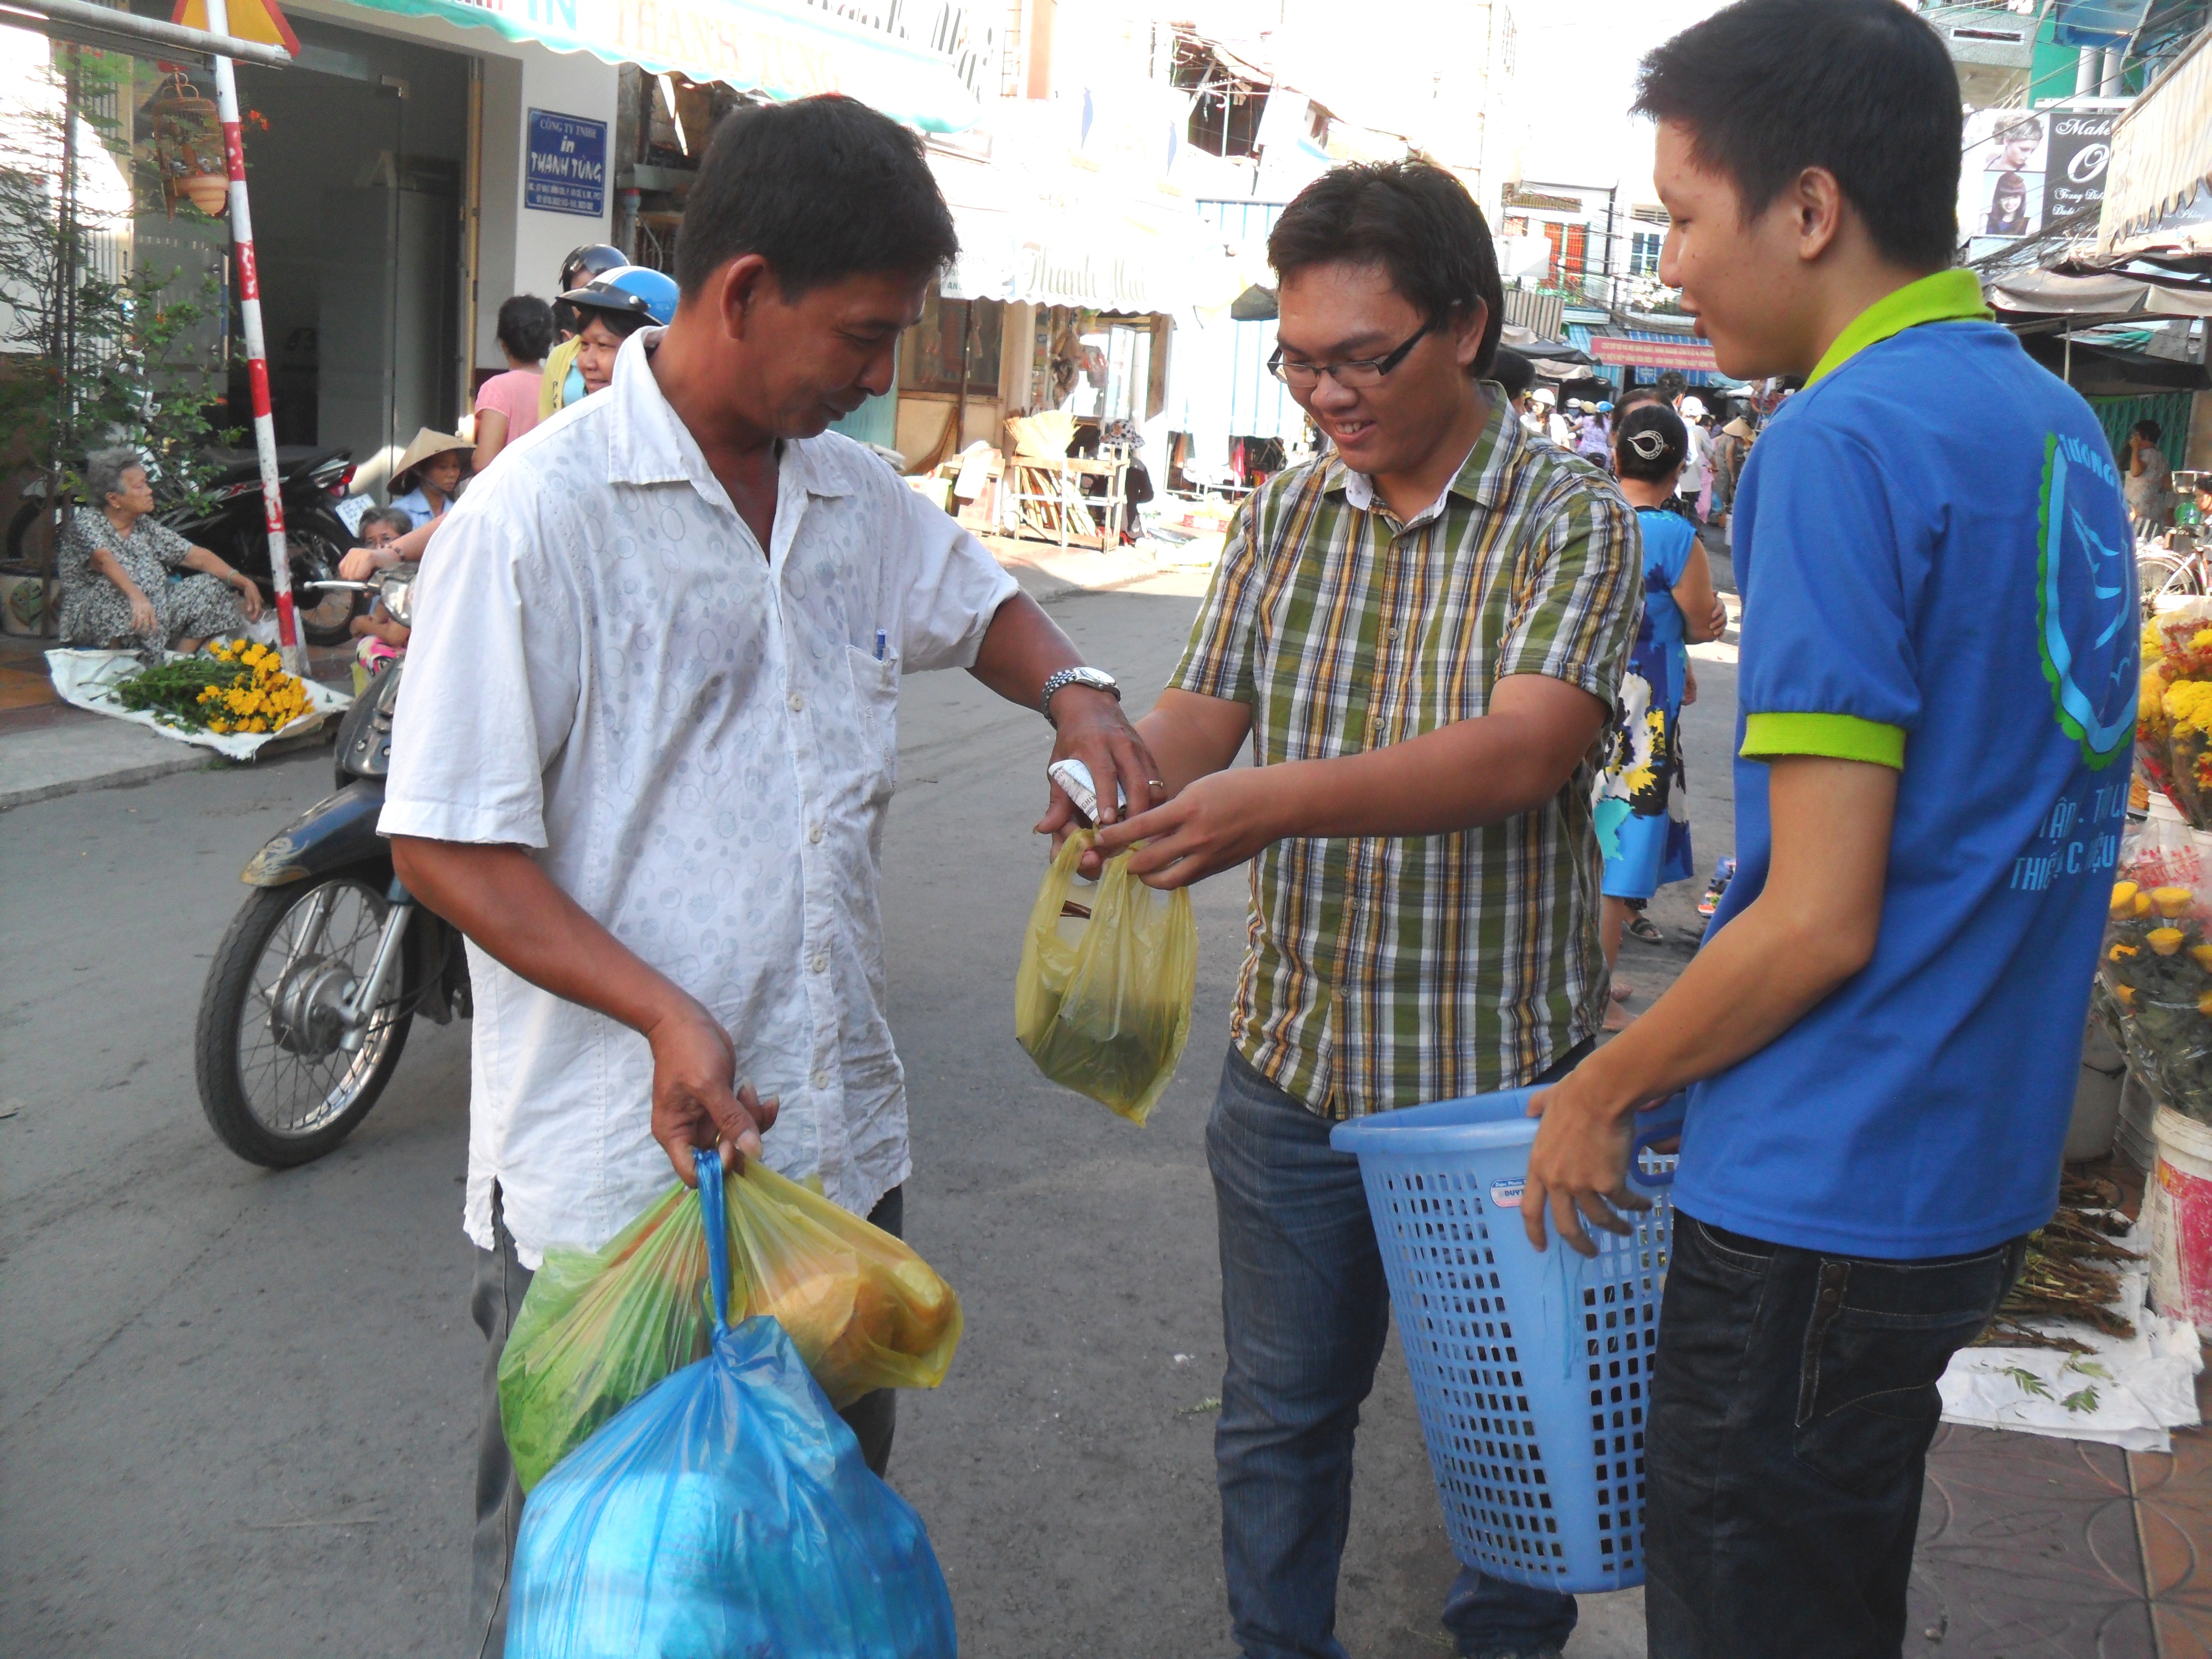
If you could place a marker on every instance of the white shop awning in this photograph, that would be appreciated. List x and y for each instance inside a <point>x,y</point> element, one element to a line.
<point>2162,156</point>
<point>1091,222</point>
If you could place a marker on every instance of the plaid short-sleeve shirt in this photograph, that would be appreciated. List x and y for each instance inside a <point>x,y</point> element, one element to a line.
<point>1385,972</point>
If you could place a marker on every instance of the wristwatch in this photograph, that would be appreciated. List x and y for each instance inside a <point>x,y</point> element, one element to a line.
<point>1097,678</point>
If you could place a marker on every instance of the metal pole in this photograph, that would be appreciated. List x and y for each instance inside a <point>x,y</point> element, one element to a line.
<point>256,348</point>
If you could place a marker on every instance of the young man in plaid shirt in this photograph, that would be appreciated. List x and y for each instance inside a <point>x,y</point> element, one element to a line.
<point>1421,633</point>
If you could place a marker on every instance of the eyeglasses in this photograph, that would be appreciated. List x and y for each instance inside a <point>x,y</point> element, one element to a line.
<point>1360,372</point>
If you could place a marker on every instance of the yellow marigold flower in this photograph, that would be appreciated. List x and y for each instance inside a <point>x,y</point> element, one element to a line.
<point>2123,897</point>
<point>2119,950</point>
<point>219,725</point>
<point>2170,901</point>
<point>2204,1002</point>
<point>2203,955</point>
<point>2142,904</point>
<point>2164,940</point>
<point>2126,995</point>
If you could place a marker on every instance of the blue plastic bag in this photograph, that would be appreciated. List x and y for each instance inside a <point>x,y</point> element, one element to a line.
<point>726,1514</point>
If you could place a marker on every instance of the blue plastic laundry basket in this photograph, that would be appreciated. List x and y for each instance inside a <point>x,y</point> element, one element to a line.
<point>1532,1370</point>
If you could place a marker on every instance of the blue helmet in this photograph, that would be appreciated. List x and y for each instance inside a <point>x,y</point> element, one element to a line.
<point>1605,409</point>
<point>638,292</point>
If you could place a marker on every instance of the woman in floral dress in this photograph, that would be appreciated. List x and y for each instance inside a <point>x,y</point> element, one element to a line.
<point>114,562</point>
<point>1643,816</point>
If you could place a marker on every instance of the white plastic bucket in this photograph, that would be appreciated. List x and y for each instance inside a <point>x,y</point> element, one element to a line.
<point>2177,1206</point>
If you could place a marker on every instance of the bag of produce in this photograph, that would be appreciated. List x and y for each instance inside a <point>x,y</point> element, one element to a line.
<point>1102,1000</point>
<point>2157,964</point>
<point>727,1511</point>
<point>600,1328</point>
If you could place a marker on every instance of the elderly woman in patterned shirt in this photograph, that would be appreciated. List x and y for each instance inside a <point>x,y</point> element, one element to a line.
<point>115,561</point>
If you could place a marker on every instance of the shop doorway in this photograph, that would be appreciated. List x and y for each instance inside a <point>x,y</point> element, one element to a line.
<point>358,169</point>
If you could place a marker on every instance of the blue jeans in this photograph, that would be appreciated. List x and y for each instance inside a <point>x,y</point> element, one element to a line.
<point>1304,1312</point>
<point>1792,1402</point>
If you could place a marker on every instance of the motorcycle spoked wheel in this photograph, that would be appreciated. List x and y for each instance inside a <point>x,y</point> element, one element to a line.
<point>314,557</point>
<point>276,1088</point>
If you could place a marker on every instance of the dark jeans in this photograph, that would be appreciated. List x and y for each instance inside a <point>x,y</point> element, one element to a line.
<point>1792,1402</point>
<point>501,1282</point>
<point>1304,1312</point>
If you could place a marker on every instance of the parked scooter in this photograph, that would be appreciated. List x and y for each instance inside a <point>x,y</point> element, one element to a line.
<point>314,988</point>
<point>312,482</point>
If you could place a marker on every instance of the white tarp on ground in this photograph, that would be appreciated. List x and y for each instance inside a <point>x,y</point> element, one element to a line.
<point>85,680</point>
<point>2131,1392</point>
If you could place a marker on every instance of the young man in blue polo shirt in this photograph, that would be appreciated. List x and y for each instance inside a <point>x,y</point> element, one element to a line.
<point>1937,704</point>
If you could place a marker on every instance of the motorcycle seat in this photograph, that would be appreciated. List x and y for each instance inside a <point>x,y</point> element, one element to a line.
<point>294,462</point>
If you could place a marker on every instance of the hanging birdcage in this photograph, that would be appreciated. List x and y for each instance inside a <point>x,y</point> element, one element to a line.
<point>188,146</point>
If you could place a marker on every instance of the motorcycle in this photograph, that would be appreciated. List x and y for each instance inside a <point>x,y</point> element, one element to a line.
<point>325,968</point>
<point>312,483</point>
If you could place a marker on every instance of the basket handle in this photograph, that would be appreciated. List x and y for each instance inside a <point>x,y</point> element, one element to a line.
<point>1653,1125</point>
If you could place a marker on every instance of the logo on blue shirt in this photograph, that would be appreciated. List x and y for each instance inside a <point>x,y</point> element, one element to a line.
<point>2085,599</point>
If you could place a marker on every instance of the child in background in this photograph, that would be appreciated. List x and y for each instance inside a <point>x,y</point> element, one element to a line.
<point>381,638</point>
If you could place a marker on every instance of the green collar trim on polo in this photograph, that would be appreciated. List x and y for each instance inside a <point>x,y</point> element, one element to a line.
<point>1948,296</point>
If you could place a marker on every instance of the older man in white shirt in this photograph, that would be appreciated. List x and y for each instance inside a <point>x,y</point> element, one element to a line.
<point>647,735</point>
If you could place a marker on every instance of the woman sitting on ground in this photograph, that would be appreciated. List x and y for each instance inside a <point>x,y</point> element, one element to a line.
<point>428,475</point>
<point>507,404</point>
<point>115,560</point>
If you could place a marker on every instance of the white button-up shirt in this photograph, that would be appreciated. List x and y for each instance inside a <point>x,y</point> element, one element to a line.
<point>698,740</point>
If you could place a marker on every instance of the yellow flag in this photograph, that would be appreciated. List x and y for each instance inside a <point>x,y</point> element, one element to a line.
<point>249,20</point>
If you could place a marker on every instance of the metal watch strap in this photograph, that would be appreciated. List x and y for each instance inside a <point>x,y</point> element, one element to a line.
<point>1065,677</point>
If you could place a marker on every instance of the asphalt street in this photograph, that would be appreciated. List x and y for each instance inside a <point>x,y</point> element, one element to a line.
<point>237,1406</point>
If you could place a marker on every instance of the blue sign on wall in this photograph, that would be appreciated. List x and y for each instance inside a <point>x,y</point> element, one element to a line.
<point>566,169</point>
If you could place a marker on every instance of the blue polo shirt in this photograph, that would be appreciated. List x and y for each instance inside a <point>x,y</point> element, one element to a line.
<point>1937,575</point>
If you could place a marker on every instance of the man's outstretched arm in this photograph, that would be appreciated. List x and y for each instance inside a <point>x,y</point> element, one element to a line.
<point>1814,925</point>
<point>1023,648</point>
<point>515,912</point>
<point>1472,772</point>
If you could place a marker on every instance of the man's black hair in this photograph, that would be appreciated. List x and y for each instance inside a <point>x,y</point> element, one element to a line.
<point>822,188</point>
<point>1635,395</point>
<point>1651,443</point>
<point>1672,384</point>
<point>525,327</point>
<point>2146,429</point>
<point>1861,88</point>
<point>1414,220</point>
<point>1513,372</point>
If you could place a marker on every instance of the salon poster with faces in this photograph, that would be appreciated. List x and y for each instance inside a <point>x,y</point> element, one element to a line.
<point>2001,196</point>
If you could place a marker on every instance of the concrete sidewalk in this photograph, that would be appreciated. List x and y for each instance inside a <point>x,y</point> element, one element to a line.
<point>56,749</point>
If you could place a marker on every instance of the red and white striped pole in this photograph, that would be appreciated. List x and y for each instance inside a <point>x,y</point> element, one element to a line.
<point>256,348</point>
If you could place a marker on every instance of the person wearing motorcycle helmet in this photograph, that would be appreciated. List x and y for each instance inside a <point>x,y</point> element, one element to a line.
<point>583,264</point>
<point>613,307</point>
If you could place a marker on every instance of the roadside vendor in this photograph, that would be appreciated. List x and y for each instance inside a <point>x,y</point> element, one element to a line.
<point>128,579</point>
<point>646,740</point>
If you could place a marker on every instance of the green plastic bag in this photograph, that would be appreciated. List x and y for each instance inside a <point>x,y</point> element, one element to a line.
<point>1102,1001</point>
<point>599,1327</point>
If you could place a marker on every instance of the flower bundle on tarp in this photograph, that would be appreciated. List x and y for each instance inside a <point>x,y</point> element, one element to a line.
<point>2173,716</point>
<point>2157,966</point>
<point>235,685</point>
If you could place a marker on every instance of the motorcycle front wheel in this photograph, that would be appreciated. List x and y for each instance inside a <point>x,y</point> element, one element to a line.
<point>277,1086</point>
<point>325,617</point>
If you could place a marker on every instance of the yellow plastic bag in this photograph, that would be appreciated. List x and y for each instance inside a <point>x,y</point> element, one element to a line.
<point>1102,1004</point>
<point>599,1327</point>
